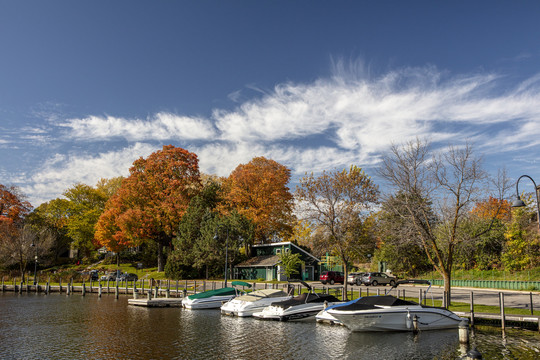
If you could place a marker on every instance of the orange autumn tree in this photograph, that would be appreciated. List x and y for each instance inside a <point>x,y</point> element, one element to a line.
<point>493,208</point>
<point>258,190</point>
<point>150,202</point>
<point>15,248</point>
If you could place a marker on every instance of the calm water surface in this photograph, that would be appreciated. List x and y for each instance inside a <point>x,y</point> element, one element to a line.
<point>75,327</point>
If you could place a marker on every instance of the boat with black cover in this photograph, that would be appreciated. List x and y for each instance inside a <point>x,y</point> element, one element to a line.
<point>302,307</point>
<point>389,313</point>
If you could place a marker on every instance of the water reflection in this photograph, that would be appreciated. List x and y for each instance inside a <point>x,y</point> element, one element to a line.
<point>74,327</point>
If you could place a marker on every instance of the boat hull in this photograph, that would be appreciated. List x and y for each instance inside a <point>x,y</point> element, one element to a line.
<point>397,319</point>
<point>304,312</point>
<point>214,302</point>
<point>242,308</point>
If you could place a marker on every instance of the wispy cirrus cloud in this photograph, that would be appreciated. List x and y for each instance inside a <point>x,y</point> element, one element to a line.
<point>163,126</point>
<point>329,123</point>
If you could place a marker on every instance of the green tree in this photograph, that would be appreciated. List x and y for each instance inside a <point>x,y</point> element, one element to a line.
<point>339,203</point>
<point>453,181</point>
<point>291,263</point>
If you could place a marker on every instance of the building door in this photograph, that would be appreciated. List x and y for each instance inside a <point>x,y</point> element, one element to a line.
<point>269,274</point>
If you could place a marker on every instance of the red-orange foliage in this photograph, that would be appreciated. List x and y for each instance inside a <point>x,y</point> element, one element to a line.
<point>258,190</point>
<point>12,208</point>
<point>151,201</point>
<point>493,208</point>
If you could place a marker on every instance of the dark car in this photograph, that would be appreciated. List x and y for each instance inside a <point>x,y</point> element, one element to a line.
<point>332,277</point>
<point>377,278</point>
<point>94,275</point>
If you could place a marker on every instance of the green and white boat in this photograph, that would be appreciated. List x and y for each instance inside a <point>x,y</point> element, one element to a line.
<point>213,299</point>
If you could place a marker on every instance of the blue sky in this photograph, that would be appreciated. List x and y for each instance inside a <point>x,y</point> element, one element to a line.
<point>87,87</point>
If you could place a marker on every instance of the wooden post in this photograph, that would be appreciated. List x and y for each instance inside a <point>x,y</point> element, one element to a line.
<point>532,305</point>
<point>90,284</point>
<point>367,292</point>
<point>60,285</point>
<point>100,289</point>
<point>108,288</point>
<point>83,288</point>
<point>142,291</point>
<point>378,292</point>
<point>3,288</point>
<point>177,295</point>
<point>420,296</point>
<point>116,291</point>
<point>472,309</point>
<point>501,304</point>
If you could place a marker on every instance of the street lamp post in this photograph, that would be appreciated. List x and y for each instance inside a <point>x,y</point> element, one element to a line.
<point>226,252</point>
<point>519,203</point>
<point>35,262</point>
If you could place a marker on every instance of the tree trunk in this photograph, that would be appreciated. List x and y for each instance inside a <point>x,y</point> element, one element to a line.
<point>160,260</point>
<point>447,288</point>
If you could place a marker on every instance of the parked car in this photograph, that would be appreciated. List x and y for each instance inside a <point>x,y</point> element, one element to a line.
<point>110,276</point>
<point>377,278</point>
<point>128,277</point>
<point>355,278</point>
<point>94,275</point>
<point>332,277</point>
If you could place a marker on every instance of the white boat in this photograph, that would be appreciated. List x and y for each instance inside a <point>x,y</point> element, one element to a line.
<point>303,307</point>
<point>388,313</point>
<point>246,305</point>
<point>213,299</point>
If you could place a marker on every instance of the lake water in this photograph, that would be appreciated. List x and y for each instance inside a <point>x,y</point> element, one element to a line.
<point>57,326</point>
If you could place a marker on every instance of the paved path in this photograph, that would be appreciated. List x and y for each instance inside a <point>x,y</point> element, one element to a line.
<point>515,299</point>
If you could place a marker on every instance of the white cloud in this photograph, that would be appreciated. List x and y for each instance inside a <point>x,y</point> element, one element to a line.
<point>63,171</point>
<point>163,126</point>
<point>331,123</point>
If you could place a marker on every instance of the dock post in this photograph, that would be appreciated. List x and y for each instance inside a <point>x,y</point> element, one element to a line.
<point>530,295</point>
<point>420,296</point>
<point>167,293</point>
<point>83,288</point>
<point>501,304</point>
<point>90,285</point>
<point>68,289</point>
<point>142,291</point>
<point>415,324</point>
<point>116,291</point>
<point>100,290</point>
<point>3,288</point>
<point>472,309</point>
<point>60,285</point>
<point>149,294</point>
<point>48,286</point>
<point>135,294</point>
<point>108,289</point>
<point>177,295</point>
<point>37,287</point>
<point>21,287</point>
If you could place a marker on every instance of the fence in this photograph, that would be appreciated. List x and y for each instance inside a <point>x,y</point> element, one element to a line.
<point>492,284</point>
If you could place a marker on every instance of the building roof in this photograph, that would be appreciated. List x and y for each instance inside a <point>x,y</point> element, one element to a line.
<point>260,261</point>
<point>288,243</point>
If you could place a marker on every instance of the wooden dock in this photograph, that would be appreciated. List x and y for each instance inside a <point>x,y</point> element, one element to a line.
<point>156,302</point>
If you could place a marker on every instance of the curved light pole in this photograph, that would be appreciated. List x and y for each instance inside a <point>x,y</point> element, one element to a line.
<point>519,203</point>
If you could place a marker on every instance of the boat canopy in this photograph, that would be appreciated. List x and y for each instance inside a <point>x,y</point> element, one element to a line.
<point>240,283</point>
<point>306,298</point>
<point>261,294</point>
<point>373,302</point>
<point>217,292</point>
